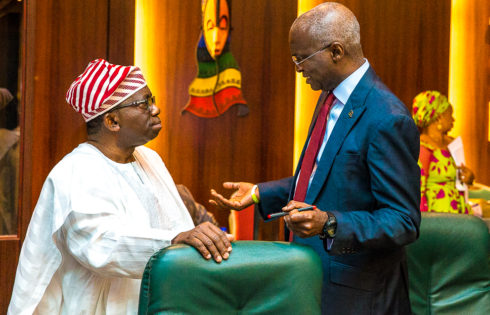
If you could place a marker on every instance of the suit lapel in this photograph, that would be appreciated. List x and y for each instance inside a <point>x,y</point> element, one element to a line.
<point>352,111</point>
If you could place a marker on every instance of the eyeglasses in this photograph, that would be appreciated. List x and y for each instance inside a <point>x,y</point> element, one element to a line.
<point>148,104</point>
<point>298,61</point>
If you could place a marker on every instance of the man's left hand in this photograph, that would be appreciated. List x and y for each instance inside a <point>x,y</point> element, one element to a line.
<point>208,239</point>
<point>305,223</point>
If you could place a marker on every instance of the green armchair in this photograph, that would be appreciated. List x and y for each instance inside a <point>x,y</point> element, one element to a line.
<point>448,266</point>
<point>258,278</point>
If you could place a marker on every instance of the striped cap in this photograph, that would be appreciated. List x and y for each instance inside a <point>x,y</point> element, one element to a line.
<point>102,86</point>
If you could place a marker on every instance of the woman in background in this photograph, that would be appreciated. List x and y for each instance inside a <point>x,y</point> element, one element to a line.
<point>434,117</point>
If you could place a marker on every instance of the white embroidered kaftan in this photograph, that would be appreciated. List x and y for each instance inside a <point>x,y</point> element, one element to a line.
<point>96,224</point>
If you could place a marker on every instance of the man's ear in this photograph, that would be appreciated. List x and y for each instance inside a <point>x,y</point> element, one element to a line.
<point>111,122</point>
<point>337,52</point>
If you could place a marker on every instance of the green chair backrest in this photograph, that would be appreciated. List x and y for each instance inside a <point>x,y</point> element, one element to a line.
<point>479,192</point>
<point>448,266</point>
<point>258,278</point>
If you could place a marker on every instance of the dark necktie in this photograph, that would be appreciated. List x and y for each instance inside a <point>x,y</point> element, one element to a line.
<point>314,144</point>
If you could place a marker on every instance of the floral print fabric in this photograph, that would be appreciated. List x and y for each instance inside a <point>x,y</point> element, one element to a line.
<point>427,106</point>
<point>438,183</point>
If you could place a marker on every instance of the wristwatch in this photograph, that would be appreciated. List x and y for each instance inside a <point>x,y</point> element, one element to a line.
<point>330,227</point>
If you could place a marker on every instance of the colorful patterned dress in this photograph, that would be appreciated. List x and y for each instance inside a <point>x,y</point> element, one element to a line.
<point>438,182</point>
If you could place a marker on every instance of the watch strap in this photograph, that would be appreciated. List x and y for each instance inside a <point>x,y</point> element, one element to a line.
<point>330,227</point>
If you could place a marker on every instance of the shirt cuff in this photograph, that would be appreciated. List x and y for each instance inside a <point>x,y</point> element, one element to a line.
<point>329,243</point>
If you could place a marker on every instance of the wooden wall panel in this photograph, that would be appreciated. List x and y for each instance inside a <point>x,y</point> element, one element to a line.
<point>120,34</point>
<point>10,251</point>
<point>202,153</point>
<point>66,39</point>
<point>406,42</point>
<point>470,83</point>
<point>61,38</point>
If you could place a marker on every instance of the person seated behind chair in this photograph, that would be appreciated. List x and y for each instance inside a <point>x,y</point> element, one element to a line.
<point>198,212</point>
<point>432,114</point>
<point>106,207</point>
<point>9,162</point>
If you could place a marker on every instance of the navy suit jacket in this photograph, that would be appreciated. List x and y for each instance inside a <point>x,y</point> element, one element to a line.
<point>369,179</point>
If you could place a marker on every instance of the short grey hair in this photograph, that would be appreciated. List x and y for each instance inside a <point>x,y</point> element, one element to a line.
<point>331,21</point>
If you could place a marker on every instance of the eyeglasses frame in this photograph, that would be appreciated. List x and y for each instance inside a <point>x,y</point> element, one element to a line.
<point>298,63</point>
<point>137,103</point>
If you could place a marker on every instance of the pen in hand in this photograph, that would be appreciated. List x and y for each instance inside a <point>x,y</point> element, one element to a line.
<point>281,214</point>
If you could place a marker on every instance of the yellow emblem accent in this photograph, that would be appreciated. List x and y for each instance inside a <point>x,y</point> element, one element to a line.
<point>206,86</point>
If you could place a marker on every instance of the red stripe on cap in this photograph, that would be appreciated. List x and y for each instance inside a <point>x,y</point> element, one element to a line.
<point>99,71</point>
<point>79,90</point>
<point>94,92</point>
<point>121,75</point>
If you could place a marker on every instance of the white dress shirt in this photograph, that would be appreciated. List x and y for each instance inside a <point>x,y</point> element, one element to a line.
<point>342,93</point>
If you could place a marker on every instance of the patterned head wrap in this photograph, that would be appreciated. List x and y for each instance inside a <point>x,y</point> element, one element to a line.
<point>428,106</point>
<point>103,86</point>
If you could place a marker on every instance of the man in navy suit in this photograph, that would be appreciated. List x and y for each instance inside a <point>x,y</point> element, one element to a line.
<point>362,176</point>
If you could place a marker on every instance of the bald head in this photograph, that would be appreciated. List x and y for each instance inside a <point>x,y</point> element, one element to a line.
<point>330,22</point>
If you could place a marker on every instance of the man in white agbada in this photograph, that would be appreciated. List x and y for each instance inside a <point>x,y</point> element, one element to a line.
<point>106,207</point>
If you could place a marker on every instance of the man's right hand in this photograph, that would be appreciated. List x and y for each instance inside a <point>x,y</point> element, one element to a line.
<point>208,239</point>
<point>240,198</point>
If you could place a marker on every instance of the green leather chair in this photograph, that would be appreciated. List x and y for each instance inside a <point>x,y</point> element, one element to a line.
<point>258,278</point>
<point>479,191</point>
<point>448,266</point>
